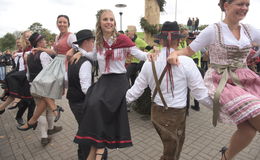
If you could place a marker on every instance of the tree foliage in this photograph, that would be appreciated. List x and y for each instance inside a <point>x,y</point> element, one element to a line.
<point>7,42</point>
<point>37,27</point>
<point>201,27</point>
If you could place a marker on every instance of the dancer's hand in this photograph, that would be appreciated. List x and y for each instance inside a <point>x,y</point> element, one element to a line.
<point>34,50</point>
<point>153,55</point>
<point>70,54</point>
<point>75,58</point>
<point>173,58</point>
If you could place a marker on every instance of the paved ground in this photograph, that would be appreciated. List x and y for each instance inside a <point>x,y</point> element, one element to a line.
<point>202,140</point>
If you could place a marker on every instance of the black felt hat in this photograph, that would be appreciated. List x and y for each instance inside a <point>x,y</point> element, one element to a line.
<point>83,35</point>
<point>170,28</point>
<point>191,36</point>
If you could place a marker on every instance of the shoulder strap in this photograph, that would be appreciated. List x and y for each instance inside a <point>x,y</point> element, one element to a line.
<point>246,28</point>
<point>158,84</point>
<point>218,33</point>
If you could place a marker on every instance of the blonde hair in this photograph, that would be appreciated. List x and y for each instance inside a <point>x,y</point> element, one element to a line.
<point>25,42</point>
<point>99,34</point>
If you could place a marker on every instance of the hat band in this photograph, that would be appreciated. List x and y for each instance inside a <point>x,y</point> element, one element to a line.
<point>170,31</point>
<point>38,37</point>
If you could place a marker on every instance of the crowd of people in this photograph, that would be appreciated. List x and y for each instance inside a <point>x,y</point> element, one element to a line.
<point>193,24</point>
<point>35,75</point>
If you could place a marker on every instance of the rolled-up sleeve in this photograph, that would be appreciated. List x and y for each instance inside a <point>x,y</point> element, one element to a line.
<point>204,39</point>
<point>138,53</point>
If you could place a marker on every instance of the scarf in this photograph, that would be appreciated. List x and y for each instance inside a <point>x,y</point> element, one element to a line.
<point>122,41</point>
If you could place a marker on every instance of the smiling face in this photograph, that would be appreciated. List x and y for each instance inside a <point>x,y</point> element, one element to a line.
<point>107,23</point>
<point>237,9</point>
<point>63,24</point>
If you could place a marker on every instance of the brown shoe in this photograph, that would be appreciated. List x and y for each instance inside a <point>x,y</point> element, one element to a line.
<point>54,130</point>
<point>45,141</point>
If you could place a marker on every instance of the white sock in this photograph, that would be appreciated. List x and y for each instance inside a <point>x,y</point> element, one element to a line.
<point>43,126</point>
<point>50,119</point>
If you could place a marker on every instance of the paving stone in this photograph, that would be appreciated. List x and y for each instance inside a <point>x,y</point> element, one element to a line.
<point>203,141</point>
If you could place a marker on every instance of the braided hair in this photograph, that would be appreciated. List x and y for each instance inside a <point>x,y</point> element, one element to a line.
<point>99,34</point>
<point>221,4</point>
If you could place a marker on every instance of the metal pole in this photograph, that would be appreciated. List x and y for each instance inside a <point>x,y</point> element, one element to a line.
<point>175,10</point>
<point>121,13</point>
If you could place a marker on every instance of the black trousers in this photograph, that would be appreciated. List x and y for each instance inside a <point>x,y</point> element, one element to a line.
<point>78,112</point>
<point>202,72</point>
<point>23,105</point>
<point>132,71</point>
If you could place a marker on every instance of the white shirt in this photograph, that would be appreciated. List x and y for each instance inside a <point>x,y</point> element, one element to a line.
<point>45,59</point>
<point>85,73</point>
<point>21,62</point>
<point>185,75</point>
<point>208,37</point>
<point>117,66</point>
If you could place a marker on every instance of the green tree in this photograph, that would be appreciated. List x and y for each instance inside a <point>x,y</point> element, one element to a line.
<point>17,34</point>
<point>36,27</point>
<point>7,42</point>
<point>201,27</point>
<point>48,35</point>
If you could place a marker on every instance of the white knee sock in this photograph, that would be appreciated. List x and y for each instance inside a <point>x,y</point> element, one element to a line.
<point>50,119</point>
<point>43,126</point>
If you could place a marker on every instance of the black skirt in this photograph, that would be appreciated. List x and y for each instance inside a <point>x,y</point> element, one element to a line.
<point>105,122</point>
<point>17,85</point>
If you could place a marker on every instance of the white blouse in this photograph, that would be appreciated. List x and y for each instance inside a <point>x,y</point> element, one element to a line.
<point>208,37</point>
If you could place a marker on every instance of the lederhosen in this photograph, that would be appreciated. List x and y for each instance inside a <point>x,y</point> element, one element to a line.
<point>170,123</point>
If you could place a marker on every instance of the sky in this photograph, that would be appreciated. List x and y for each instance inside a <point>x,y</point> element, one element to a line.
<point>18,15</point>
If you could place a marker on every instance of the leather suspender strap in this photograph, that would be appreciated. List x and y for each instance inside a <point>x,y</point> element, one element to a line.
<point>160,81</point>
<point>158,84</point>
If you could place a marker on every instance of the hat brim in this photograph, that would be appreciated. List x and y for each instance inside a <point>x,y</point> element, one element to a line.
<point>191,38</point>
<point>82,39</point>
<point>174,36</point>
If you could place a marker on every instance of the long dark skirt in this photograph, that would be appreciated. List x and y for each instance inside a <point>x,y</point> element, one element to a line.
<point>105,122</point>
<point>17,85</point>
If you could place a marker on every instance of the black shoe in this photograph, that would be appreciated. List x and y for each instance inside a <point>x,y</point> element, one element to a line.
<point>223,151</point>
<point>104,154</point>
<point>14,106</point>
<point>58,109</point>
<point>20,121</point>
<point>2,111</point>
<point>196,108</point>
<point>54,130</point>
<point>45,141</point>
<point>29,127</point>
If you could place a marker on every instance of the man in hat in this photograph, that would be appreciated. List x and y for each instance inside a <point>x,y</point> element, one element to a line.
<point>79,79</point>
<point>168,112</point>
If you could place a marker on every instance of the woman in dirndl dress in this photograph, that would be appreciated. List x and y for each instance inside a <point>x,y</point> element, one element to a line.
<point>105,122</point>
<point>16,84</point>
<point>49,83</point>
<point>235,89</point>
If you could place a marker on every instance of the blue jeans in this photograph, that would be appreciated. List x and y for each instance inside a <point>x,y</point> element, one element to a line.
<point>2,73</point>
